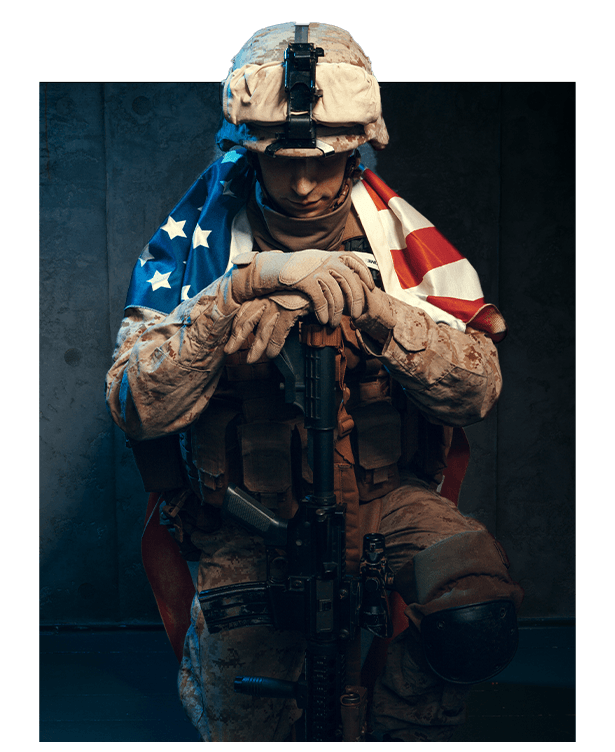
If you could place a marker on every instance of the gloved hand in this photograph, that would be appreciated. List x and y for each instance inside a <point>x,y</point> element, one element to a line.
<point>378,317</point>
<point>273,317</point>
<point>333,281</point>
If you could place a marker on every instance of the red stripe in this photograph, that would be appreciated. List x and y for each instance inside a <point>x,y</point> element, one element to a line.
<point>457,461</point>
<point>475,313</point>
<point>489,319</point>
<point>426,249</point>
<point>381,189</point>
<point>380,205</point>
<point>168,575</point>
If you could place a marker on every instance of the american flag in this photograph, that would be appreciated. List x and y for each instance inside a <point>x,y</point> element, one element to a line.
<point>191,248</point>
<point>208,228</point>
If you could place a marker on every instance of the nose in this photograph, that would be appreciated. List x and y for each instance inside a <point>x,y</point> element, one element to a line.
<point>303,178</point>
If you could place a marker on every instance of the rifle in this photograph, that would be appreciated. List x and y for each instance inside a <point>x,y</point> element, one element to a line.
<point>307,586</point>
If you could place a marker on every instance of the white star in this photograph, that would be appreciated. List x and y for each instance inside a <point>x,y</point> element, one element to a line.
<point>231,156</point>
<point>200,237</point>
<point>145,255</point>
<point>227,191</point>
<point>160,280</point>
<point>174,228</point>
<point>185,289</point>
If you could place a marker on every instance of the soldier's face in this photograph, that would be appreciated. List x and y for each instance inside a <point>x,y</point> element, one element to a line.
<point>303,187</point>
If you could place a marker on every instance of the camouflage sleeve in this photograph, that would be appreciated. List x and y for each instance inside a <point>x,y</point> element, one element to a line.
<point>165,369</point>
<point>453,377</point>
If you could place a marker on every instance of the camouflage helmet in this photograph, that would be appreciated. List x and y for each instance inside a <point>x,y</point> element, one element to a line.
<point>301,90</point>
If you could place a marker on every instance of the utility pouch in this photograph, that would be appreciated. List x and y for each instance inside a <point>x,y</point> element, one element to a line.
<point>266,454</point>
<point>210,443</point>
<point>206,448</point>
<point>378,442</point>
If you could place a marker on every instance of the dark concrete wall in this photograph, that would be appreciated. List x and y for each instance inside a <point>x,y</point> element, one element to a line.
<point>492,165</point>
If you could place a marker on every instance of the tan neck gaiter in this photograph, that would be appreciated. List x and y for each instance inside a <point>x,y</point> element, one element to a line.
<point>274,231</point>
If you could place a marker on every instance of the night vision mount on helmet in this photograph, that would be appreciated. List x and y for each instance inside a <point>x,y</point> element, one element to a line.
<point>300,86</point>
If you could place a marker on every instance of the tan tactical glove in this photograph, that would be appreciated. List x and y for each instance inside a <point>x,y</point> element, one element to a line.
<point>378,317</point>
<point>332,281</point>
<point>273,317</point>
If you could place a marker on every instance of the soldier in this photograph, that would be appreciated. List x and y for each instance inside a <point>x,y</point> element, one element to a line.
<point>286,223</point>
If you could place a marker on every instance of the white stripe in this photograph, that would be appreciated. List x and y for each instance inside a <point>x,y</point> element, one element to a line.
<point>399,221</point>
<point>376,235</point>
<point>241,236</point>
<point>455,280</point>
<point>410,218</point>
<point>395,235</point>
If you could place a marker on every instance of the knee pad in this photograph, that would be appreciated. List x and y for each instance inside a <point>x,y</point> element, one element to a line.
<point>470,644</point>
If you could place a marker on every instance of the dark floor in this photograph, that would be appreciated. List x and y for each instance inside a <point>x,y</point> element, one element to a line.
<point>120,686</point>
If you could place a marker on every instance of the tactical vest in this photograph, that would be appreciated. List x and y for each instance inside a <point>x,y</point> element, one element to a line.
<point>251,437</point>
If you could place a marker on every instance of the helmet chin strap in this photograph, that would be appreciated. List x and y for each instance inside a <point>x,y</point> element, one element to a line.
<point>352,163</point>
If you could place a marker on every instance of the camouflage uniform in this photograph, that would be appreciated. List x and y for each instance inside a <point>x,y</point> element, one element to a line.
<point>403,385</point>
<point>460,369</point>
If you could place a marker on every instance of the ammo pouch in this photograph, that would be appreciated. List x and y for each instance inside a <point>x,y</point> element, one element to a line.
<point>266,455</point>
<point>377,447</point>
